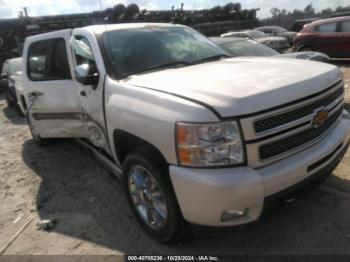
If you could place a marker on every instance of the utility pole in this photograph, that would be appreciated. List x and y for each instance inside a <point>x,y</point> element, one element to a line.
<point>25,10</point>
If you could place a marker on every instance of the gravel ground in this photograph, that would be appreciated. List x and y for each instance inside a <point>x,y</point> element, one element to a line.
<point>62,181</point>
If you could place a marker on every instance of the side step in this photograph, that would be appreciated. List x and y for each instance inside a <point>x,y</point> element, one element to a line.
<point>105,161</point>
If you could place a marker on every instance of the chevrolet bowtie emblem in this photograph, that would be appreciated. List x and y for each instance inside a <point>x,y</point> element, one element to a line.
<point>319,119</point>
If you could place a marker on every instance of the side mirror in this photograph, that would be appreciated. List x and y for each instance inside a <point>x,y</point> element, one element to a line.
<point>87,74</point>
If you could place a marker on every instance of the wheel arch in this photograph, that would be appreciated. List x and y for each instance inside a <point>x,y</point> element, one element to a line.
<point>304,45</point>
<point>125,142</point>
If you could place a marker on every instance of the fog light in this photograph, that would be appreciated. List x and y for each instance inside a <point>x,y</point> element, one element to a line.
<point>233,214</point>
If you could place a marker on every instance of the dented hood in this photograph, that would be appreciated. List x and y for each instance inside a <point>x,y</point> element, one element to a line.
<point>239,86</point>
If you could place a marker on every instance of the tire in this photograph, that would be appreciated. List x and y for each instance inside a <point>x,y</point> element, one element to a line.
<point>19,111</point>
<point>169,228</point>
<point>42,142</point>
<point>9,102</point>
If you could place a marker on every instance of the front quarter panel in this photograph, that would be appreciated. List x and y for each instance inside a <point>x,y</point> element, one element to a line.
<point>150,115</point>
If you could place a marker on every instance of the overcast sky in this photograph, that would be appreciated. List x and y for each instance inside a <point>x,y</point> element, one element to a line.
<point>9,8</point>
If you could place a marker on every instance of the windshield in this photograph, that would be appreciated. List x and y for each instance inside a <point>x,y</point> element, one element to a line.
<point>247,48</point>
<point>257,34</point>
<point>280,29</point>
<point>135,50</point>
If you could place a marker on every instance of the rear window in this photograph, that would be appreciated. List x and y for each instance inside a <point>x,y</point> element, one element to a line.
<point>327,28</point>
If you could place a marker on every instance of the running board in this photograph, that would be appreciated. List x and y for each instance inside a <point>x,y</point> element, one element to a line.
<point>106,162</point>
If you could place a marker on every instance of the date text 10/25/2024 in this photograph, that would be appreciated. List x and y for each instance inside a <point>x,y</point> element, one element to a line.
<point>172,258</point>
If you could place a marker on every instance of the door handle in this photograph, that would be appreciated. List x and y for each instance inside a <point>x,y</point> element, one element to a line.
<point>83,93</point>
<point>35,94</point>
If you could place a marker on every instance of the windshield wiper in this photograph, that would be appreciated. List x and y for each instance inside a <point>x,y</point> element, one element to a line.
<point>167,65</point>
<point>212,58</point>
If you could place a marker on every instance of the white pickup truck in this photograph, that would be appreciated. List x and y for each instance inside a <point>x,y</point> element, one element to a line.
<point>196,136</point>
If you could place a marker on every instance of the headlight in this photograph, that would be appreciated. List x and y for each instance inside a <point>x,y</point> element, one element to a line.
<point>211,144</point>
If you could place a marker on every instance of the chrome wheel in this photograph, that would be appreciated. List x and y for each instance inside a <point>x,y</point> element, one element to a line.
<point>147,197</point>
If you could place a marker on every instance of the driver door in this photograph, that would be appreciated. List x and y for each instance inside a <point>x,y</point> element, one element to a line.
<point>56,110</point>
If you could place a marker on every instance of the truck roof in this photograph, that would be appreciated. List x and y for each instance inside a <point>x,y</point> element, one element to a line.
<point>98,29</point>
<point>109,27</point>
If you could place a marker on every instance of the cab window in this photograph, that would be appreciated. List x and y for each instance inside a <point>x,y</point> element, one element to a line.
<point>57,63</point>
<point>5,68</point>
<point>82,50</point>
<point>327,28</point>
<point>48,60</point>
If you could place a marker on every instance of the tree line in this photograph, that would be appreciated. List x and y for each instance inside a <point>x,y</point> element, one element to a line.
<point>285,18</point>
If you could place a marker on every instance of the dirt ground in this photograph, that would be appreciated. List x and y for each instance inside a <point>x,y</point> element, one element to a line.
<point>62,181</point>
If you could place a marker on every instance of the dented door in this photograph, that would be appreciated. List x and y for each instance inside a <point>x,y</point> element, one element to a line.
<point>85,50</point>
<point>56,109</point>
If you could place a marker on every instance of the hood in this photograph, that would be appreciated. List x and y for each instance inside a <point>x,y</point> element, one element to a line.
<point>309,55</point>
<point>272,38</point>
<point>290,33</point>
<point>239,86</point>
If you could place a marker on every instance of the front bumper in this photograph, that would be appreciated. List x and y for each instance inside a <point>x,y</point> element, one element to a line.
<point>203,194</point>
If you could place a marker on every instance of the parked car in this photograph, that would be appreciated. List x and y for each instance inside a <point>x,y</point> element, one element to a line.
<point>329,36</point>
<point>299,24</point>
<point>11,81</point>
<point>246,47</point>
<point>195,136</point>
<point>278,31</point>
<point>275,42</point>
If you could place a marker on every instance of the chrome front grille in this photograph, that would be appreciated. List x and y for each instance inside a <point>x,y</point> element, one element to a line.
<point>294,141</point>
<point>290,116</point>
<point>277,133</point>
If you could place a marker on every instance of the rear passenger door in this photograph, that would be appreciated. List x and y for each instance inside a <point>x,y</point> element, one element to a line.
<point>344,36</point>
<point>57,111</point>
<point>328,39</point>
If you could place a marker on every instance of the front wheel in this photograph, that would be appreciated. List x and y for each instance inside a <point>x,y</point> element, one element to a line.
<point>9,102</point>
<point>148,190</point>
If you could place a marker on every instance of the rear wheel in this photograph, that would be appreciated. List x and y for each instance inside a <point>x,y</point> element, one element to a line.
<point>150,195</point>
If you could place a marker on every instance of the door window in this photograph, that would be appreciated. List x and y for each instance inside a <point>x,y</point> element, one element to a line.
<point>5,68</point>
<point>48,60</point>
<point>327,28</point>
<point>345,27</point>
<point>37,55</point>
<point>267,31</point>
<point>82,50</point>
<point>57,64</point>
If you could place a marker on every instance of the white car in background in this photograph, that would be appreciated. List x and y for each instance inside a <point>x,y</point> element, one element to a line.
<point>278,31</point>
<point>12,82</point>
<point>275,42</point>
<point>237,47</point>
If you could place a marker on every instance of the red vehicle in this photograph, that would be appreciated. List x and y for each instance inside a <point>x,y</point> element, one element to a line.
<point>329,36</point>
